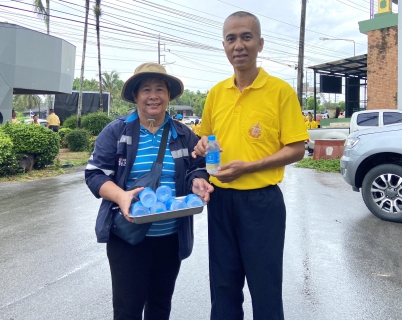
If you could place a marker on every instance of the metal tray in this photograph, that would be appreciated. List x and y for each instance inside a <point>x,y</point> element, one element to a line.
<point>152,217</point>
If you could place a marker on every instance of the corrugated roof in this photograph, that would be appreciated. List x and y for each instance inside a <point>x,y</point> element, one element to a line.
<point>349,67</point>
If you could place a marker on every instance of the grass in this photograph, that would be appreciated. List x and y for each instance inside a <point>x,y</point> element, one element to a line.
<point>65,162</point>
<point>330,165</point>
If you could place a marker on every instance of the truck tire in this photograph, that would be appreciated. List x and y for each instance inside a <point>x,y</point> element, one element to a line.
<point>382,192</point>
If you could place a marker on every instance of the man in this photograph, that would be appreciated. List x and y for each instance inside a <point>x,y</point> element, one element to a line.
<point>256,118</point>
<point>53,121</point>
<point>35,120</point>
<point>196,127</point>
<point>310,124</point>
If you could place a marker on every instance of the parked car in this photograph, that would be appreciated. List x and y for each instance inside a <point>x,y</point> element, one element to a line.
<point>372,162</point>
<point>359,121</point>
<point>189,120</point>
<point>41,121</point>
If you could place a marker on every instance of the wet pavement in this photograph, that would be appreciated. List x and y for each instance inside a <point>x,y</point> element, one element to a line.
<point>341,262</point>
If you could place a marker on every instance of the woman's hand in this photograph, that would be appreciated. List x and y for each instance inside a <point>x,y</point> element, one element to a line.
<point>202,188</point>
<point>124,201</point>
<point>201,149</point>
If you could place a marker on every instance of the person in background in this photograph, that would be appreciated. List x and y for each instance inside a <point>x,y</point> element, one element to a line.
<point>310,124</point>
<point>14,119</point>
<point>144,274</point>
<point>256,119</point>
<point>196,127</point>
<point>35,120</point>
<point>179,118</point>
<point>53,121</point>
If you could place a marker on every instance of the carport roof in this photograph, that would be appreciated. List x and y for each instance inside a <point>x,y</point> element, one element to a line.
<point>349,67</point>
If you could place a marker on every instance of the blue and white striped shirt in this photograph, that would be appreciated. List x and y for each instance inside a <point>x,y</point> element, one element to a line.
<point>147,153</point>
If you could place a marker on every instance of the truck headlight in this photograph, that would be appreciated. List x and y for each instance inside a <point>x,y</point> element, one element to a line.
<point>351,142</point>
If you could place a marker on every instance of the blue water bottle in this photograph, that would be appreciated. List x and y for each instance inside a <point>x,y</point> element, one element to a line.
<point>193,200</point>
<point>213,158</point>
<point>138,209</point>
<point>158,207</point>
<point>163,193</point>
<point>147,197</point>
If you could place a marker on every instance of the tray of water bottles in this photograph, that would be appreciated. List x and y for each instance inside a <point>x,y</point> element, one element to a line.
<point>161,205</point>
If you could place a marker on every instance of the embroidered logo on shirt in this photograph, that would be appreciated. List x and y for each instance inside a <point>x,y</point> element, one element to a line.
<point>122,162</point>
<point>255,131</point>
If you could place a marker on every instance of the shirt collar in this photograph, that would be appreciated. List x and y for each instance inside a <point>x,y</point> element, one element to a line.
<point>258,82</point>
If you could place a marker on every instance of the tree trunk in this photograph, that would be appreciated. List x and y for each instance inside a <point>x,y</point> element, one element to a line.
<point>97,14</point>
<point>84,46</point>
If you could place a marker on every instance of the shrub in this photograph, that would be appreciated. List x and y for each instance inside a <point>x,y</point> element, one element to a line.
<point>78,140</point>
<point>70,122</point>
<point>92,144</point>
<point>95,122</point>
<point>8,161</point>
<point>62,133</point>
<point>39,141</point>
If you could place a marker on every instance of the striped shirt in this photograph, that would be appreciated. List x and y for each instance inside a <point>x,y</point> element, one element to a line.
<point>147,153</point>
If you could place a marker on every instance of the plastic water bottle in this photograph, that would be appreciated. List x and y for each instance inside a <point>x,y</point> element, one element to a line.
<point>213,158</point>
<point>158,207</point>
<point>147,197</point>
<point>138,209</point>
<point>193,200</point>
<point>163,193</point>
<point>175,204</point>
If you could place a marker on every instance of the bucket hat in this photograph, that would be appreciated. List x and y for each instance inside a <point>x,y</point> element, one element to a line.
<point>151,70</point>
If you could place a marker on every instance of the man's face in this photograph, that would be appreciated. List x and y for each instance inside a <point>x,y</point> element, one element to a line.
<point>242,42</point>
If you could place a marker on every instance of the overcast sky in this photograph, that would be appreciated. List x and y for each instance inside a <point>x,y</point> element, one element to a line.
<point>190,34</point>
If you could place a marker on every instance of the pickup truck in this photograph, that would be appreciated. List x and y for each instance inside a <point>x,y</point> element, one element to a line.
<point>372,162</point>
<point>360,120</point>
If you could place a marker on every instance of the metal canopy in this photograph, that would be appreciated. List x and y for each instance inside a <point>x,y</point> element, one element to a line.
<point>349,67</point>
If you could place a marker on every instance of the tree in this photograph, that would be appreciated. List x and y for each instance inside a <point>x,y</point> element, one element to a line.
<point>98,13</point>
<point>110,82</point>
<point>23,102</point>
<point>88,85</point>
<point>44,13</point>
<point>84,46</point>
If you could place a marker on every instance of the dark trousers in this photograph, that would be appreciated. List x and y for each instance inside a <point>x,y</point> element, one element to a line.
<point>246,232</point>
<point>143,276</point>
<point>54,128</point>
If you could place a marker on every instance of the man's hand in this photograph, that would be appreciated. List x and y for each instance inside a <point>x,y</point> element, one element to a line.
<point>201,149</point>
<point>202,188</point>
<point>231,171</point>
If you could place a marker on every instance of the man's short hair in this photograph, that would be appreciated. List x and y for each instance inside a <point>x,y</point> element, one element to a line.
<point>242,14</point>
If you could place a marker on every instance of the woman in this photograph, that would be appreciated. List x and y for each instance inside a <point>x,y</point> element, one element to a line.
<point>144,274</point>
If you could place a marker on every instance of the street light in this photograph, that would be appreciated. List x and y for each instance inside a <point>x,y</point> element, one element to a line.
<point>350,40</point>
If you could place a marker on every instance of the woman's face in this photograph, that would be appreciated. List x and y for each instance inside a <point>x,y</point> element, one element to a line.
<point>152,98</point>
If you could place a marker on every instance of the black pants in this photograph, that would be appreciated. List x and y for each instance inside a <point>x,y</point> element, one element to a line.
<point>143,276</point>
<point>54,128</point>
<point>246,232</point>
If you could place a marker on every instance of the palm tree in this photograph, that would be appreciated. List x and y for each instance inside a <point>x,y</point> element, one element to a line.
<point>109,84</point>
<point>98,13</point>
<point>27,101</point>
<point>84,46</point>
<point>44,13</point>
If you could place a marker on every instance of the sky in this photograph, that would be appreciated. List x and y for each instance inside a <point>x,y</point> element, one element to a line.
<point>189,34</point>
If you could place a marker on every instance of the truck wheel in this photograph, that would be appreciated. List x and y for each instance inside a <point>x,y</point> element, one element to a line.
<point>382,192</point>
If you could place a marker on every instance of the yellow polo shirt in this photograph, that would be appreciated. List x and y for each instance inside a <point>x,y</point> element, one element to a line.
<point>53,120</point>
<point>311,125</point>
<point>252,125</point>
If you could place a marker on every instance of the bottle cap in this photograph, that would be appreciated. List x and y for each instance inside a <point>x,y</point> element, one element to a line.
<point>211,138</point>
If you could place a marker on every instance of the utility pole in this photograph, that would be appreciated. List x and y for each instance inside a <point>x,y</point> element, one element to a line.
<point>301,53</point>
<point>159,49</point>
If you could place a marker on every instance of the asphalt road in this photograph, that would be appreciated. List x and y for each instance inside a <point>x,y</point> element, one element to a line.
<point>341,262</point>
